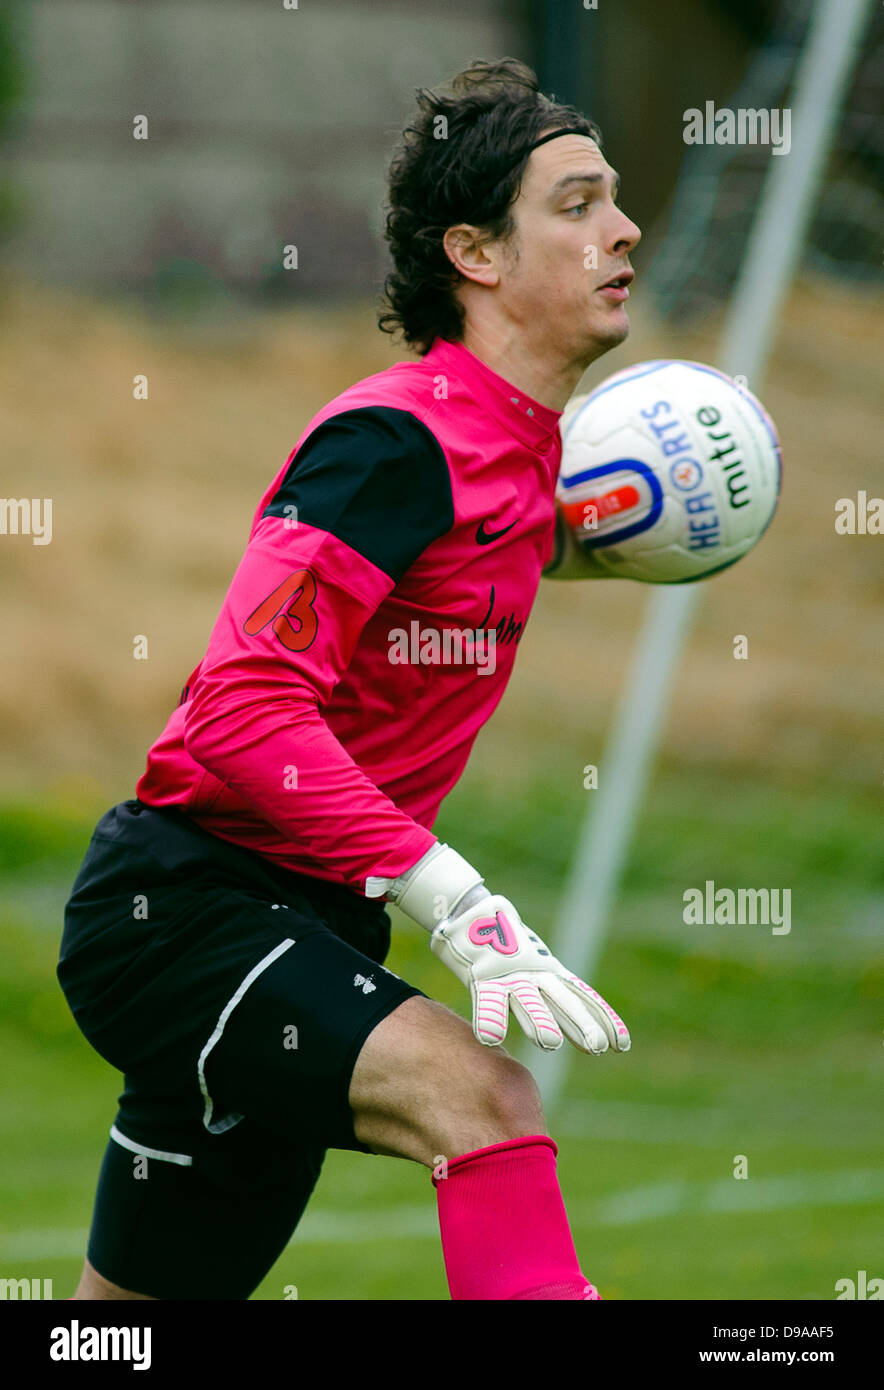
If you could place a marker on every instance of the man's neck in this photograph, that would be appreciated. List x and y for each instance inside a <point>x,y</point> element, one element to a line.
<point>550,383</point>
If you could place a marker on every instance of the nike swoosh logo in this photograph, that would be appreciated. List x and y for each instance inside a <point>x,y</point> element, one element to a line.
<point>484,537</point>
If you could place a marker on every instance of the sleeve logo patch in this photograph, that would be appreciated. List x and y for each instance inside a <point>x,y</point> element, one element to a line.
<point>289,612</point>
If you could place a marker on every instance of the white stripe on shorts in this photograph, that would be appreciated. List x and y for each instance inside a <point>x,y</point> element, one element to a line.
<point>219,1126</point>
<point>184,1159</point>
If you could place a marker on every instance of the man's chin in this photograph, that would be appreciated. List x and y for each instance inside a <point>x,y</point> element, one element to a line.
<point>616,330</point>
<point>606,336</point>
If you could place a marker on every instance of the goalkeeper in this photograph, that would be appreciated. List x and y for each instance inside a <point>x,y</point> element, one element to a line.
<point>225,937</point>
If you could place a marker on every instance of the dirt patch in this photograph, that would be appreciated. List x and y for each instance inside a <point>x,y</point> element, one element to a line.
<point>152,502</point>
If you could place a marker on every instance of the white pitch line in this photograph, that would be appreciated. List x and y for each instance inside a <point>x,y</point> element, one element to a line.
<point>724,1196</point>
<point>728,1196</point>
<point>643,1124</point>
<point>391,1223</point>
<point>656,1123</point>
<point>41,1245</point>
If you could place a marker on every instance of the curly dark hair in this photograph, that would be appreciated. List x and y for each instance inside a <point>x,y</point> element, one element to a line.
<point>463,168</point>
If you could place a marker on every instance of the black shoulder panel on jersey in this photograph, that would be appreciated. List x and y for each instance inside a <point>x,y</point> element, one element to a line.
<point>376,478</point>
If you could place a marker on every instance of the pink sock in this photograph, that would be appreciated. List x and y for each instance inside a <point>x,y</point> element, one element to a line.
<point>505,1232</point>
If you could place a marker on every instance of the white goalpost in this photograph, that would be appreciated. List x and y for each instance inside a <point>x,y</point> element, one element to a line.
<point>778,232</point>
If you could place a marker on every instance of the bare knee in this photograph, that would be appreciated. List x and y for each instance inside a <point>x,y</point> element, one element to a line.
<point>502,1102</point>
<point>423,1087</point>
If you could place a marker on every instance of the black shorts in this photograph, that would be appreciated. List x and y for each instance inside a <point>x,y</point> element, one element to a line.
<point>235,998</point>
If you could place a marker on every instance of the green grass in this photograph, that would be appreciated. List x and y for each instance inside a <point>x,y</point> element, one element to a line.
<point>744,1043</point>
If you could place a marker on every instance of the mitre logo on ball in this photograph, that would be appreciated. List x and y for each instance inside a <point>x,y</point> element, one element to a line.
<point>670,472</point>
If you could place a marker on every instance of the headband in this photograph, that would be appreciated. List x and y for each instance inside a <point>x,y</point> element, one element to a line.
<point>552,135</point>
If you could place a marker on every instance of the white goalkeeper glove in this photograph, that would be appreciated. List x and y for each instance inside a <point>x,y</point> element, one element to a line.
<point>483,940</point>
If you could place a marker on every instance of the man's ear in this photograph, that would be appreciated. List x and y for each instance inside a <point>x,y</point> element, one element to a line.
<point>470,257</point>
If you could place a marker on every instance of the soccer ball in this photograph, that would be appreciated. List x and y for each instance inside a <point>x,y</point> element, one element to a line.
<point>670,472</point>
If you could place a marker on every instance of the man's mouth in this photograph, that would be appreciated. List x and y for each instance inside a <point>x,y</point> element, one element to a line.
<point>616,290</point>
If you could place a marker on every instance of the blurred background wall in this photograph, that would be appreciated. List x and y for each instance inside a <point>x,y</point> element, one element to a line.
<point>269,126</point>
<point>265,126</point>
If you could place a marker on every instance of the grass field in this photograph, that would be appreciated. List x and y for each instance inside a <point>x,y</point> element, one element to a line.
<point>745,1043</point>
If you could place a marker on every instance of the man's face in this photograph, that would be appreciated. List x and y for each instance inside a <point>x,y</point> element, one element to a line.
<point>570,240</point>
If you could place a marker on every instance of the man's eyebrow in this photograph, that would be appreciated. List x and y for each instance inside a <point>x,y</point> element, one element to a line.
<point>565,182</point>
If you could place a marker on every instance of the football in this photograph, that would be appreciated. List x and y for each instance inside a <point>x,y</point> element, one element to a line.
<point>670,472</point>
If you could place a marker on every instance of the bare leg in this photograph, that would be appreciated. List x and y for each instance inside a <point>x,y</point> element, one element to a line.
<point>423,1086</point>
<point>93,1286</point>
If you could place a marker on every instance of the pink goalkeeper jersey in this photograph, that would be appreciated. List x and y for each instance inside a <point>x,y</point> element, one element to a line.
<point>372,624</point>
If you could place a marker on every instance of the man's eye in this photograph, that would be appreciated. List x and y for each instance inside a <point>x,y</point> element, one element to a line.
<point>576,207</point>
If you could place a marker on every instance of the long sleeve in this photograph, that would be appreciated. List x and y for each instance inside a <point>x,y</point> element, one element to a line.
<point>362,498</point>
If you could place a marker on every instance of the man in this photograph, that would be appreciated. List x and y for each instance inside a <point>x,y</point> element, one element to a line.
<point>224,941</point>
